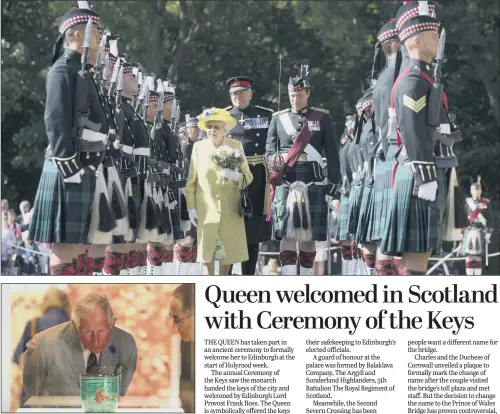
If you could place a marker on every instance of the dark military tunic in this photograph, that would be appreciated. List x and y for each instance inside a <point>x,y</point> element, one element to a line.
<point>62,210</point>
<point>187,150</point>
<point>345,171</point>
<point>368,143</point>
<point>251,130</point>
<point>356,162</point>
<point>384,165</point>
<point>415,225</point>
<point>323,141</point>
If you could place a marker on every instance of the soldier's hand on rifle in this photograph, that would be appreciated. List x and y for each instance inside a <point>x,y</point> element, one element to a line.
<point>428,191</point>
<point>193,217</point>
<point>233,175</point>
<point>487,237</point>
<point>76,178</point>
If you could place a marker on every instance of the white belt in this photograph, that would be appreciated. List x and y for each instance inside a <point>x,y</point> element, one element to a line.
<point>127,149</point>
<point>92,136</point>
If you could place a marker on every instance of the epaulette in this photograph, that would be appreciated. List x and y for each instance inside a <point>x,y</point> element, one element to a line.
<point>325,111</point>
<point>263,108</point>
<point>283,111</point>
<point>228,108</point>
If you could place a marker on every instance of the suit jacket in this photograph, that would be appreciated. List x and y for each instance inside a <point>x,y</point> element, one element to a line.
<point>54,361</point>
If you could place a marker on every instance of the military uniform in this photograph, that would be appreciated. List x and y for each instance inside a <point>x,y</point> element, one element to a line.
<point>476,236</point>
<point>251,131</point>
<point>385,155</point>
<point>299,210</point>
<point>415,223</point>
<point>64,197</point>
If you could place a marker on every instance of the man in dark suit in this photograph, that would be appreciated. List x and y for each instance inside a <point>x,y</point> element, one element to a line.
<point>56,357</point>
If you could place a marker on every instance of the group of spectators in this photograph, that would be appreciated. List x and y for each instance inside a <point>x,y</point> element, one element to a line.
<point>19,254</point>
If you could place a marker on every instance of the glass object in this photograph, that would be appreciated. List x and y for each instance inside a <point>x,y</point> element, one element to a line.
<point>100,391</point>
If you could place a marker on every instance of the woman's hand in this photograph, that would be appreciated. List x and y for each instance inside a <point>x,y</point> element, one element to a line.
<point>233,175</point>
<point>193,217</point>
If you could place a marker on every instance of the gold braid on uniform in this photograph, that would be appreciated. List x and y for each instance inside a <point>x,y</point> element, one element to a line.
<point>283,111</point>
<point>325,111</point>
<point>264,108</point>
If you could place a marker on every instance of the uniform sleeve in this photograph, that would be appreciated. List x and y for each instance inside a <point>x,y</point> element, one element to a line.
<point>272,136</point>
<point>192,179</point>
<point>331,152</point>
<point>411,110</point>
<point>59,111</point>
<point>170,141</point>
<point>381,102</point>
<point>244,169</point>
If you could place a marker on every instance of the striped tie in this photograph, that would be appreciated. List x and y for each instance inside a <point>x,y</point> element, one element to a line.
<point>92,363</point>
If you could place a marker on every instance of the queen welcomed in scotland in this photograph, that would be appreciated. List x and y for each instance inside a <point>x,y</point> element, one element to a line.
<point>213,193</point>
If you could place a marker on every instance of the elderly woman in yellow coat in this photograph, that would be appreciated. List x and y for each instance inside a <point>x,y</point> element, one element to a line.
<point>215,208</point>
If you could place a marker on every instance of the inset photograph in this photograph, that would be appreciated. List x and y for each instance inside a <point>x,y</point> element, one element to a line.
<point>98,347</point>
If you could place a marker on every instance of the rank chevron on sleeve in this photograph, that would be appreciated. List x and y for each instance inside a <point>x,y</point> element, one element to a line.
<point>414,105</point>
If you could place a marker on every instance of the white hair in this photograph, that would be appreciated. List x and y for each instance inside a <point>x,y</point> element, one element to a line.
<point>90,303</point>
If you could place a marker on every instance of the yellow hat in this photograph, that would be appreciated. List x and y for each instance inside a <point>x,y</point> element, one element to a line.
<point>215,114</point>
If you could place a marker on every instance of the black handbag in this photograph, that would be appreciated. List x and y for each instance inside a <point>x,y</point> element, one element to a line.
<point>245,204</point>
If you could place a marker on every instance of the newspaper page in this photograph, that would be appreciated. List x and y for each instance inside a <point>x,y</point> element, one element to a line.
<point>348,346</point>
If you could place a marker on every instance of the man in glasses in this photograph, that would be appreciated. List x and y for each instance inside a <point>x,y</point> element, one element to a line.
<point>55,358</point>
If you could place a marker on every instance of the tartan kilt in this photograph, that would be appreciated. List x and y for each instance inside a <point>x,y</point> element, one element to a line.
<point>343,218</point>
<point>317,205</point>
<point>61,211</point>
<point>414,225</point>
<point>382,192</point>
<point>354,207</point>
<point>365,215</point>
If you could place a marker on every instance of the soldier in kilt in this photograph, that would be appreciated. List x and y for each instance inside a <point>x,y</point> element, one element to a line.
<point>140,151</point>
<point>251,131</point>
<point>63,202</point>
<point>477,235</point>
<point>385,155</point>
<point>176,189</point>
<point>356,164</point>
<point>186,248</point>
<point>299,211</point>
<point>343,217</point>
<point>415,225</point>
<point>368,143</point>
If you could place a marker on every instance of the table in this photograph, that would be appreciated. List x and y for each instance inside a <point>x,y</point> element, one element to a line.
<point>127,404</point>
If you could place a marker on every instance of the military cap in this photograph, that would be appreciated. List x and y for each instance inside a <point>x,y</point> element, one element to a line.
<point>239,83</point>
<point>414,17</point>
<point>191,121</point>
<point>366,100</point>
<point>387,31</point>
<point>77,15</point>
<point>300,81</point>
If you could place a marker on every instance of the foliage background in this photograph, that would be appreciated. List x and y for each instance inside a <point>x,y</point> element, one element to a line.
<point>199,44</point>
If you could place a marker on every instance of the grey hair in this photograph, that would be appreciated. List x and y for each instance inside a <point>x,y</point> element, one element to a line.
<point>90,303</point>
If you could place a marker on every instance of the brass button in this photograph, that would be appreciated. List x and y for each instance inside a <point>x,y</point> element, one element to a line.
<point>257,134</point>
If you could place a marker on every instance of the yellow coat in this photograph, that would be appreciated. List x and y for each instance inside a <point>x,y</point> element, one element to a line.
<point>217,205</point>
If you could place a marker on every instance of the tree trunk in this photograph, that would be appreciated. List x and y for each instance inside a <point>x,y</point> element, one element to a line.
<point>156,55</point>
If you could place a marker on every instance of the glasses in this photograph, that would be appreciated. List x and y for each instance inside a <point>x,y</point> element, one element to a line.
<point>178,320</point>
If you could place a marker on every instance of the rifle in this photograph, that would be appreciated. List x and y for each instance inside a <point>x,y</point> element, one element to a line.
<point>137,72</point>
<point>81,92</point>
<point>436,94</point>
<point>114,78</point>
<point>99,60</point>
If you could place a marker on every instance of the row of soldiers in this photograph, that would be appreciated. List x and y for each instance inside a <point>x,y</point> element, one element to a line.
<point>114,151</point>
<point>401,197</point>
<point>111,198</point>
